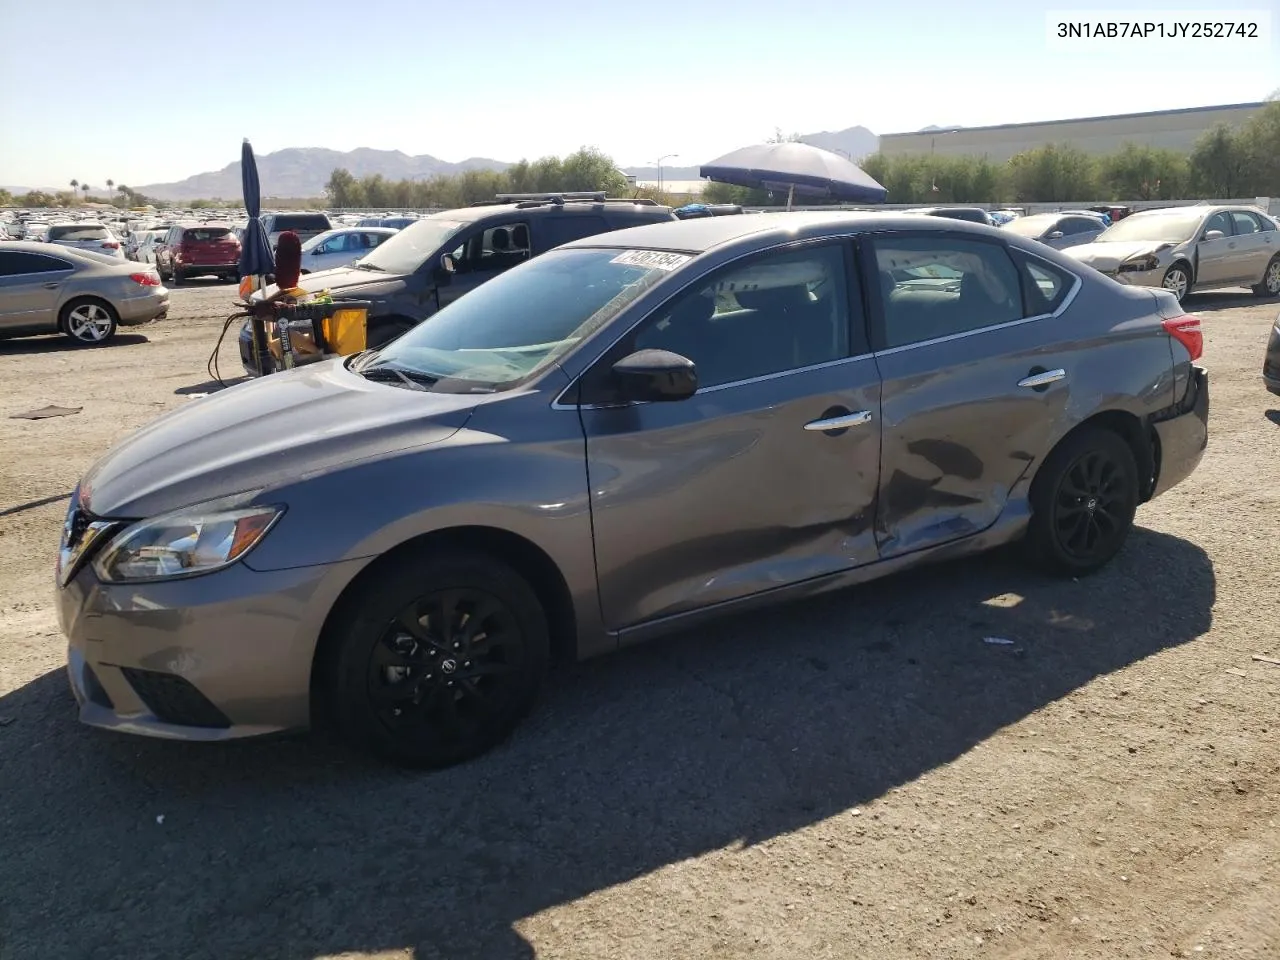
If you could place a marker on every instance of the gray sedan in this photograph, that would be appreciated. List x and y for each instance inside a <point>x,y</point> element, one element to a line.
<point>1058,230</point>
<point>627,435</point>
<point>1179,248</point>
<point>52,289</point>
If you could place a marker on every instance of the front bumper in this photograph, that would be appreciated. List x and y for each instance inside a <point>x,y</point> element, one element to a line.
<point>216,657</point>
<point>1184,434</point>
<point>1138,278</point>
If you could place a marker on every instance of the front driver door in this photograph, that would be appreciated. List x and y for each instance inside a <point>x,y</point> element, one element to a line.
<point>738,489</point>
<point>481,255</point>
<point>961,421</point>
<point>1216,260</point>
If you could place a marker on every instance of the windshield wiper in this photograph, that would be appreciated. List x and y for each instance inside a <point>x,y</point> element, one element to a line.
<point>362,265</point>
<point>386,373</point>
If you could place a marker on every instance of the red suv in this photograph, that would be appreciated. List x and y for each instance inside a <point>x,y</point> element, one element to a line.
<point>196,249</point>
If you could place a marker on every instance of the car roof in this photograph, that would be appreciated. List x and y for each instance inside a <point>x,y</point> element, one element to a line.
<point>49,250</point>
<point>504,211</point>
<point>703,234</point>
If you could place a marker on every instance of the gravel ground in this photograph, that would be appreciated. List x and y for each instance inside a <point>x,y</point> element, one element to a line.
<point>860,776</point>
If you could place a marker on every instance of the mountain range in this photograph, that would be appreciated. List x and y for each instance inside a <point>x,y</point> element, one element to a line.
<point>303,171</point>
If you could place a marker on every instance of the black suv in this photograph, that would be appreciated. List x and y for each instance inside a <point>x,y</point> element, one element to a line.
<point>406,281</point>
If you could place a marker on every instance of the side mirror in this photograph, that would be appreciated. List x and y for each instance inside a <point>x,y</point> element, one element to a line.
<point>1214,235</point>
<point>1055,235</point>
<point>445,269</point>
<point>656,375</point>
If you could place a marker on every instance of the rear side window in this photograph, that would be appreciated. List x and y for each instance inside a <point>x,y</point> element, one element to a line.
<point>1044,286</point>
<point>205,234</point>
<point>1072,225</point>
<point>1246,222</point>
<point>74,233</point>
<point>558,230</point>
<point>933,287</point>
<point>15,263</point>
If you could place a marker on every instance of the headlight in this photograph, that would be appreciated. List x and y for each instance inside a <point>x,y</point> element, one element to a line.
<point>183,544</point>
<point>1140,264</point>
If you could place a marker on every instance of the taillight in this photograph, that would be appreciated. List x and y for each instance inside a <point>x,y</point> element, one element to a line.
<point>145,279</point>
<point>110,245</point>
<point>1186,330</point>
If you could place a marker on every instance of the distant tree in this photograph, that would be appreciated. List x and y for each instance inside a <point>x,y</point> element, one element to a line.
<point>780,137</point>
<point>6,198</point>
<point>36,198</point>
<point>1259,141</point>
<point>110,185</point>
<point>341,189</point>
<point>1139,172</point>
<point>85,188</point>
<point>1053,173</point>
<point>1219,164</point>
<point>65,198</point>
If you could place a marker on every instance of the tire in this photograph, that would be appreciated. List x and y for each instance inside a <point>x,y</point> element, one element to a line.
<point>88,322</point>
<point>1270,285</point>
<point>1177,280</point>
<point>390,659</point>
<point>1083,501</point>
<point>382,333</point>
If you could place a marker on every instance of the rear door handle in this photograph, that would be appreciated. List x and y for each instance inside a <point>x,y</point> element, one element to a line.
<point>52,286</point>
<point>1042,378</point>
<point>839,423</point>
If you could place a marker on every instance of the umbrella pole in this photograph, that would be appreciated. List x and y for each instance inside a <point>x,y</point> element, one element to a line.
<point>791,195</point>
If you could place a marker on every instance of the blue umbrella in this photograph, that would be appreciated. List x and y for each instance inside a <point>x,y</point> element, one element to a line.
<point>255,249</point>
<point>796,168</point>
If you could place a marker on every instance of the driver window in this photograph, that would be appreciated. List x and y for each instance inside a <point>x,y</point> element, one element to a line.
<point>1219,221</point>
<point>493,250</point>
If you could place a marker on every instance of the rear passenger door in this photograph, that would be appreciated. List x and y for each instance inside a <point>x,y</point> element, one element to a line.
<point>962,419</point>
<point>1255,245</point>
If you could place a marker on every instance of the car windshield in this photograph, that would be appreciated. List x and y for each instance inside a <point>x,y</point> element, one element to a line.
<point>1029,226</point>
<point>410,248</point>
<point>512,327</point>
<point>77,233</point>
<point>1165,227</point>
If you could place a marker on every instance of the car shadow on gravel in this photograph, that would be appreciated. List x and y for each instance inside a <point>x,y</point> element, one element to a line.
<point>60,344</point>
<point>1221,299</point>
<point>754,728</point>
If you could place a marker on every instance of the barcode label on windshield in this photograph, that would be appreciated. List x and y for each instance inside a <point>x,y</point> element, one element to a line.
<point>652,259</point>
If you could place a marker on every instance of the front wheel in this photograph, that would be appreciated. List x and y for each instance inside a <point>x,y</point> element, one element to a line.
<point>1083,502</point>
<point>1177,280</point>
<point>437,660</point>
<point>1270,285</point>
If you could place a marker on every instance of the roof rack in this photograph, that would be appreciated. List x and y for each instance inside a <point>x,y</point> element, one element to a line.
<point>526,200</point>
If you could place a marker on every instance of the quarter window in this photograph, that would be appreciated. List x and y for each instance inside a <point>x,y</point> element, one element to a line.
<point>1044,286</point>
<point>932,287</point>
<point>775,313</point>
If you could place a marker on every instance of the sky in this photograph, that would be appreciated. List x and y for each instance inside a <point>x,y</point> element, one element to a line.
<point>174,88</point>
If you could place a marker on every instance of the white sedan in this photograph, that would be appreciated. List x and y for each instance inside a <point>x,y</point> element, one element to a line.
<point>340,248</point>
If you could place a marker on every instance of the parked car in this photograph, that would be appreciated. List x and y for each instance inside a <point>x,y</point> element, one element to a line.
<point>1058,230</point>
<point>86,295</point>
<point>628,435</point>
<point>35,230</point>
<point>971,214</point>
<point>198,249</point>
<point>1180,248</point>
<point>399,223</point>
<point>147,243</point>
<point>305,225</point>
<point>341,248</point>
<point>1271,365</point>
<point>86,235</point>
<point>404,279</point>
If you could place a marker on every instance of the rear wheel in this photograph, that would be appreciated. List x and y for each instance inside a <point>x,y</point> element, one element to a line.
<point>89,322</point>
<point>1083,502</point>
<point>1177,280</point>
<point>1270,285</point>
<point>437,661</point>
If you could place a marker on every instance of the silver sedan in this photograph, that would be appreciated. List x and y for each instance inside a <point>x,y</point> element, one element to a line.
<point>54,289</point>
<point>1178,248</point>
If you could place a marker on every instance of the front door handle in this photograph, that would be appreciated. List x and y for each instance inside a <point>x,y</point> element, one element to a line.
<point>842,422</point>
<point>1039,379</point>
<point>52,286</point>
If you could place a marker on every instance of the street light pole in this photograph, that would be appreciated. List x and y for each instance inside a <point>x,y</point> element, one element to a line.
<point>665,156</point>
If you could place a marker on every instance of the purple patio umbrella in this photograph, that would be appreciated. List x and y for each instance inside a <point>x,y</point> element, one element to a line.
<point>797,168</point>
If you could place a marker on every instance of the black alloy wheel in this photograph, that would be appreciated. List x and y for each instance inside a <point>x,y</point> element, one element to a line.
<point>1083,502</point>
<point>441,660</point>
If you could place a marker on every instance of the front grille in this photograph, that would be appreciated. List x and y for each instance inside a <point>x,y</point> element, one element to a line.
<point>174,699</point>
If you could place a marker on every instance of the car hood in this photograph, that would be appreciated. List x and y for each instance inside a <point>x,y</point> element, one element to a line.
<point>256,435</point>
<point>343,282</point>
<point>1108,256</point>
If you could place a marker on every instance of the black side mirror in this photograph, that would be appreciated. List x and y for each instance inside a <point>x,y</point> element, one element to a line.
<point>445,269</point>
<point>656,375</point>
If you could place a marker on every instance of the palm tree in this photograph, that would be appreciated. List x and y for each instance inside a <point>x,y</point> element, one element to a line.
<point>75,185</point>
<point>85,187</point>
<point>110,185</point>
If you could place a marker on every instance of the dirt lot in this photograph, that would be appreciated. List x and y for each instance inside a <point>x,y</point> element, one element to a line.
<point>859,777</point>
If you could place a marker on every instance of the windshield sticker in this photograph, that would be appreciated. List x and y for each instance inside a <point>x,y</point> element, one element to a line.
<point>652,259</point>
